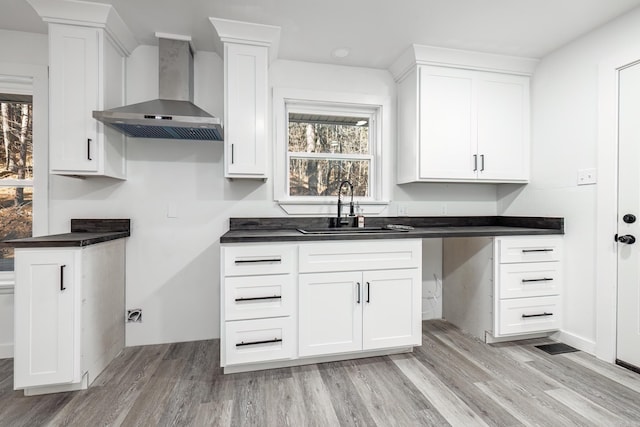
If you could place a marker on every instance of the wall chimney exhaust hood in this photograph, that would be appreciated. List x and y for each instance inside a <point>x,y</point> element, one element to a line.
<point>173,116</point>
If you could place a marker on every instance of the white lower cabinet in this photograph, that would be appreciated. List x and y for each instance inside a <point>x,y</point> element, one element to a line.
<point>375,307</point>
<point>47,298</point>
<point>503,287</point>
<point>297,302</point>
<point>69,306</point>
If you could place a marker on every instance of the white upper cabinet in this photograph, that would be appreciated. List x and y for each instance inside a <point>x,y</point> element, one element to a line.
<point>462,124</point>
<point>86,73</point>
<point>245,74</point>
<point>248,49</point>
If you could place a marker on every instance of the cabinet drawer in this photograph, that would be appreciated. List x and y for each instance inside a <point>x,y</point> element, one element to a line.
<point>259,340</point>
<point>252,297</point>
<point>528,315</point>
<point>360,255</point>
<point>529,249</point>
<point>258,259</point>
<point>531,279</point>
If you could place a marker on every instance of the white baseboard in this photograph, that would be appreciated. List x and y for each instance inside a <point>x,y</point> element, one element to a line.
<point>576,341</point>
<point>6,351</point>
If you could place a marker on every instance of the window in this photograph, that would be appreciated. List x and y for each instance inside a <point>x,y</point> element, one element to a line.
<point>16,171</point>
<point>323,139</point>
<point>327,150</point>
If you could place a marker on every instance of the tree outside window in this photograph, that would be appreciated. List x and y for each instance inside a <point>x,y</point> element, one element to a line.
<point>16,171</point>
<point>324,150</point>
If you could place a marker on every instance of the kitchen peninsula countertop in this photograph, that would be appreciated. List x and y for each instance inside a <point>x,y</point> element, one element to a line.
<point>84,232</point>
<point>283,229</point>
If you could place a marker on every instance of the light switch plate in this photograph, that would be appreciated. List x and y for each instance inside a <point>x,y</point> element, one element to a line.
<point>587,176</point>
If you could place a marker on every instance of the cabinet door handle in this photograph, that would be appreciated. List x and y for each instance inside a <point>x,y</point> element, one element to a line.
<point>358,300</point>
<point>544,279</point>
<point>259,298</point>
<point>89,149</point>
<point>242,344</point>
<point>368,292</point>
<point>475,162</point>
<point>481,162</point>
<point>256,261</point>
<point>231,153</point>
<point>62,288</point>
<point>536,250</point>
<point>545,314</point>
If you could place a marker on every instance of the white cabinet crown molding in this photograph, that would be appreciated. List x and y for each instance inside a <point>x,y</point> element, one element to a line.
<point>457,58</point>
<point>98,15</point>
<point>230,31</point>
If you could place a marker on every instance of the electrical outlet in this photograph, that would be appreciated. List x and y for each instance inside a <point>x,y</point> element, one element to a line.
<point>403,210</point>
<point>134,315</point>
<point>586,176</point>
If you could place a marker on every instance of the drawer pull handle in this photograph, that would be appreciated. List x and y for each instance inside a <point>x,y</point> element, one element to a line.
<point>545,314</point>
<point>259,298</point>
<point>242,344</point>
<point>358,301</point>
<point>537,250</point>
<point>256,261</point>
<point>62,287</point>
<point>544,279</point>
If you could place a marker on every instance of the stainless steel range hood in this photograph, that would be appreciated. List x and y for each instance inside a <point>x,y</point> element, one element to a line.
<point>173,116</point>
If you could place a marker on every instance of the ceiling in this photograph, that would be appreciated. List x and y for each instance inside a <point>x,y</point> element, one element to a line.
<point>374,31</point>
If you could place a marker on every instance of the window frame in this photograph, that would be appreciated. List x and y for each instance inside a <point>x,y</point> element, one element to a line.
<point>377,108</point>
<point>31,80</point>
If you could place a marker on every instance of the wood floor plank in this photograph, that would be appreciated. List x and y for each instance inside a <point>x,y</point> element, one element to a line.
<point>596,414</point>
<point>314,396</point>
<point>452,379</point>
<point>452,408</point>
<point>616,373</point>
<point>350,409</point>
<point>379,382</point>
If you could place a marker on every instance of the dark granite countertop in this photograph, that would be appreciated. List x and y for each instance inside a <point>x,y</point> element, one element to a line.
<point>84,232</point>
<point>248,230</point>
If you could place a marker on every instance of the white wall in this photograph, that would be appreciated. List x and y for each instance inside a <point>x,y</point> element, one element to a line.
<point>173,263</point>
<point>564,129</point>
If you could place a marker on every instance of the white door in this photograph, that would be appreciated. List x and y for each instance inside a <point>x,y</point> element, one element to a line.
<point>391,317</point>
<point>330,313</point>
<point>46,325</point>
<point>628,328</point>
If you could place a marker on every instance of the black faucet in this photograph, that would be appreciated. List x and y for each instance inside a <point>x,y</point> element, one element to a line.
<point>339,220</point>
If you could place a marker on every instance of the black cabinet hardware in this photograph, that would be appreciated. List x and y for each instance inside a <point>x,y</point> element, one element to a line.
<point>545,314</point>
<point>482,162</point>
<point>368,292</point>
<point>259,298</point>
<point>475,162</point>
<point>537,250</point>
<point>62,288</point>
<point>358,300</point>
<point>89,149</point>
<point>231,153</point>
<point>629,218</point>
<point>256,261</point>
<point>627,238</point>
<point>544,279</point>
<point>242,344</point>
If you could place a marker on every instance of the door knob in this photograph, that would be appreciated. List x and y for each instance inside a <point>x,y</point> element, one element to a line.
<point>627,238</point>
<point>629,218</point>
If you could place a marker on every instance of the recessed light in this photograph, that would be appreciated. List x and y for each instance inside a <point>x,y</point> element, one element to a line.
<point>342,52</point>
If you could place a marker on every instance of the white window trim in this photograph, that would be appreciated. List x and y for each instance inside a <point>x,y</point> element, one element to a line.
<point>32,80</point>
<point>379,106</point>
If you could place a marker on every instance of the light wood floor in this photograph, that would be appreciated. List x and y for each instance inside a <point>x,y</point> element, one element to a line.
<point>453,379</point>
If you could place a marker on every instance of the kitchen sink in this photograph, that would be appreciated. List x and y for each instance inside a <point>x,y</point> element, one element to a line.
<point>347,230</point>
